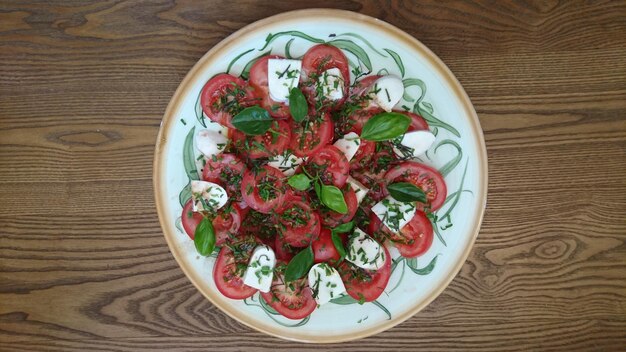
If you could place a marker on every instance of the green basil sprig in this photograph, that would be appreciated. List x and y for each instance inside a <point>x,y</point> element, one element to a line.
<point>299,181</point>
<point>253,120</point>
<point>299,265</point>
<point>385,126</point>
<point>406,192</point>
<point>343,228</point>
<point>332,197</point>
<point>297,104</point>
<point>204,237</point>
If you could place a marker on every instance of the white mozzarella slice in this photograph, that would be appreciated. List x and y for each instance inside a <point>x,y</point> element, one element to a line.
<point>364,251</point>
<point>394,214</point>
<point>349,144</point>
<point>260,271</point>
<point>287,163</point>
<point>414,144</point>
<point>387,92</point>
<point>211,142</point>
<point>332,83</point>
<point>325,282</point>
<point>282,75</point>
<point>207,196</point>
<point>359,189</point>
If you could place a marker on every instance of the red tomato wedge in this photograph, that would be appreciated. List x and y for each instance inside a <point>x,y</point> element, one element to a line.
<point>258,80</point>
<point>424,177</point>
<point>315,61</point>
<point>298,223</point>
<point>330,164</point>
<point>365,285</point>
<point>223,96</point>
<point>230,267</point>
<point>263,189</point>
<point>294,300</point>
<point>271,143</point>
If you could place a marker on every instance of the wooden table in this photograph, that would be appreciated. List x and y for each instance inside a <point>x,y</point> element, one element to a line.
<point>83,262</point>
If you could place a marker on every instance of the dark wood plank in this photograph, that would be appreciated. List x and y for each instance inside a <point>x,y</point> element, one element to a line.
<point>83,263</point>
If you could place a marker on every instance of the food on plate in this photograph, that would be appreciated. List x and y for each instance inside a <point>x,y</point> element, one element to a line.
<point>309,175</point>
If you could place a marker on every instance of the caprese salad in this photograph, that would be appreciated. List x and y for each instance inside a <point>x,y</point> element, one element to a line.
<point>311,178</point>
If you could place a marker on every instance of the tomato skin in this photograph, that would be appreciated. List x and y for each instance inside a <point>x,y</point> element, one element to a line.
<point>274,143</point>
<point>324,249</point>
<point>190,219</point>
<point>258,80</point>
<point>418,123</point>
<point>424,177</point>
<point>311,135</point>
<point>363,155</point>
<point>225,170</point>
<point>331,165</point>
<point>368,290</point>
<point>291,215</point>
<point>332,218</point>
<point>227,280</point>
<point>316,60</point>
<point>292,304</point>
<point>414,238</point>
<point>219,86</point>
<point>269,178</point>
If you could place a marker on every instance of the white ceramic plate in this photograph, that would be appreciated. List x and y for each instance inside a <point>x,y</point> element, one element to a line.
<point>431,89</point>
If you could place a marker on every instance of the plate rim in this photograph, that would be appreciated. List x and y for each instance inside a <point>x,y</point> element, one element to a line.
<point>443,71</point>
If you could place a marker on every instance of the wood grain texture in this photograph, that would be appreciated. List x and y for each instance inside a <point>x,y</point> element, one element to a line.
<point>84,265</point>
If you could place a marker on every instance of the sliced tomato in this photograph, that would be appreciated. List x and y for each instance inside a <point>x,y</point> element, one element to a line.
<point>315,61</point>
<point>363,155</point>
<point>229,269</point>
<point>362,87</point>
<point>225,170</point>
<point>283,250</point>
<point>262,226</point>
<point>263,189</point>
<point>227,223</point>
<point>414,238</point>
<point>293,300</point>
<point>271,143</point>
<point>330,164</point>
<point>258,80</point>
<point>365,285</point>
<point>299,224</point>
<point>190,219</point>
<point>311,135</point>
<point>424,177</point>
<point>223,96</point>
<point>418,123</point>
<point>324,249</point>
<point>332,218</point>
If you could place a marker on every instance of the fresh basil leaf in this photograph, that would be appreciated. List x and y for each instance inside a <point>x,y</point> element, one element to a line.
<point>318,188</point>
<point>299,265</point>
<point>204,237</point>
<point>406,192</point>
<point>385,126</point>
<point>343,228</point>
<point>253,120</point>
<point>332,197</point>
<point>297,104</point>
<point>338,244</point>
<point>299,181</point>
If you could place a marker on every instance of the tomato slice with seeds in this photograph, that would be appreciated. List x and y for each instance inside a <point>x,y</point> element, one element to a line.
<point>258,80</point>
<point>283,250</point>
<point>365,285</point>
<point>332,218</point>
<point>230,267</point>
<point>271,143</point>
<point>330,164</point>
<point>414,238</point>
<point>223,96</point>
<point>324,249</point>
<point>315,61</point>
<point>422,176</point>
<point>262,226</point>
<point>299,224</point>
<point>227,223</point>
<point>293,300</point>
<point>225,170</point>
<point>363,155</point>
<point>263,189</point>
<point>311,135</point>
